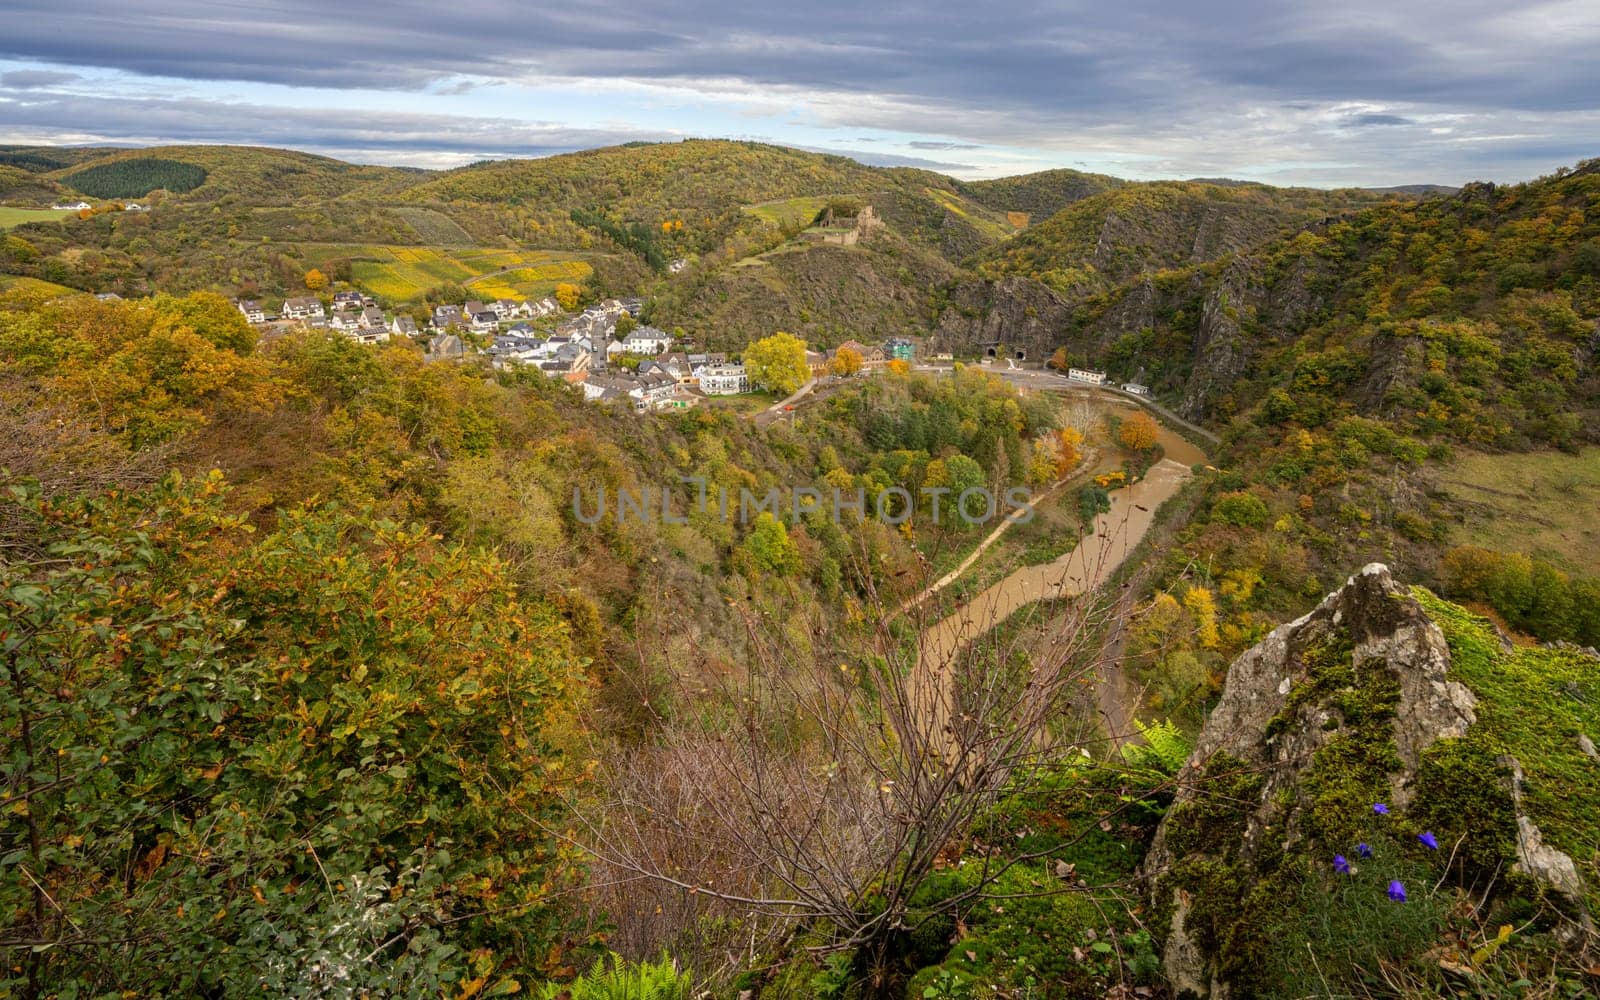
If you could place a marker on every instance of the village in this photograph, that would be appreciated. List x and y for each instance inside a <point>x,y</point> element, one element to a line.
<point>603,349</point>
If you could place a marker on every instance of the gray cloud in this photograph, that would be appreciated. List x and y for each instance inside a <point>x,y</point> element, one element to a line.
<point>28,79</point>
<point>363,135</point>
<point>1365,120</point>
<point>1159,83</point>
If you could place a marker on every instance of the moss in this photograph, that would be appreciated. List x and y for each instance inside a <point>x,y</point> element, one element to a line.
<point>1351,772</point>
<point>1054,944</point>
<point>1214,820</point>
<point>1461,797</point>
<point>1532,704</point>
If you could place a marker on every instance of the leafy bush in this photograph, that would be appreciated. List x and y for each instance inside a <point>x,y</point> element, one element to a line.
<point>1240,509</point>
<point>308,760</point>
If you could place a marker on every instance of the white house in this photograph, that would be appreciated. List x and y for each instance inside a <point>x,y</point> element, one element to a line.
<point>72,206</point>
<point>486,321</point>
<point>303,307</point>
<point>1086,376</point>
<point>645,340</point>
<point>252,311</point>
<point>403,326</point>
<point>724,380</point>
<point>1136,388</point>
<point>511,309</point>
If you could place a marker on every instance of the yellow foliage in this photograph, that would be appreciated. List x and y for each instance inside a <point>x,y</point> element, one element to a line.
<point>846,361</point>
<point>1203,606</point>
<point>1139,432</point>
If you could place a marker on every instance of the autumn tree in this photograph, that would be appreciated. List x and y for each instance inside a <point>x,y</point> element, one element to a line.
<point>778,363</point>
<point>1069,442</point>
<point>1059,360</point>
<point>148,369</point>
<point>316,280</point>
<point>900,366</point>
<point>567,295</point>
<point>846,362</point>
<point>1139,432</point>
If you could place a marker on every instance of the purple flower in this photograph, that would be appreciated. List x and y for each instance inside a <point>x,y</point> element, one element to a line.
<point>1427,840</point>
<point>1340,865</point>
<point>1380,809</point>
<point>1397,892</point>
<point>1363,850</point>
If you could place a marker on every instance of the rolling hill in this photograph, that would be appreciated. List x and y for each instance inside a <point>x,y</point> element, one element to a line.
<point>260,175</point>
<point>1039,195</point>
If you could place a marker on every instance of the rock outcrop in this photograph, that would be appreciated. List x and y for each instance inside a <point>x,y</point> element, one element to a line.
<point>1327,715</point>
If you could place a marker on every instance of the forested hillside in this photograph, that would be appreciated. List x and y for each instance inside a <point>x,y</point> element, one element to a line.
<point>135,178</point>
<point>1039,195</point>
<point>1109,237</point>
<point>1350,364</point>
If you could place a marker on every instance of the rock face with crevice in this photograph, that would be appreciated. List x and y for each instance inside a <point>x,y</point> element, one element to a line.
<point>1326,715</point>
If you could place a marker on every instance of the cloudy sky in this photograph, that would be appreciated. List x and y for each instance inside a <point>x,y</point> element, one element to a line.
<point>1284,91</point>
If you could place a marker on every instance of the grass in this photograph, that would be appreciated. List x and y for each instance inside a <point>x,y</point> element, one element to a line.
<point>400,273</point>
<point>1537,503</point>
<point>744,404</point>
<point>10,217</point>
<point>1532,704</point>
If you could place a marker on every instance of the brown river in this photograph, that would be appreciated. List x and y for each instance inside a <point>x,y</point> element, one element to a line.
<point>1098,555</point>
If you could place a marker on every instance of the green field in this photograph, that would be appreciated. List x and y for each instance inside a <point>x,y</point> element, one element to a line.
<point>788,211</point>
<point>1539,503</point>
<point>19,216</point>
<point>402,273</point>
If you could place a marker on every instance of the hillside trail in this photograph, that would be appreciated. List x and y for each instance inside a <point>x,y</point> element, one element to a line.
<point>1114,536</point>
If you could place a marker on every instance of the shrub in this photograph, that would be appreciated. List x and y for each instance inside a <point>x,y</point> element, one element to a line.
<point>1240,509</point>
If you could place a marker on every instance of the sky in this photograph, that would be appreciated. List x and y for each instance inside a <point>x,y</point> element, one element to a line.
<point>1314,92</point>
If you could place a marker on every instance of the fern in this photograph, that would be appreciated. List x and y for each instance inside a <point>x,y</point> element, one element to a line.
<point>622,980</point>
<point>1164,750</point>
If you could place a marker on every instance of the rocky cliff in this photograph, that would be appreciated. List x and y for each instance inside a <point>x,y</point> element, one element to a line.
<point>1355,733</point>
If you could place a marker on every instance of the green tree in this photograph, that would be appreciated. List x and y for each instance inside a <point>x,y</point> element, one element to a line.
<point>778,363</point>
<point>770,546</point>
<point>1092,502</point>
